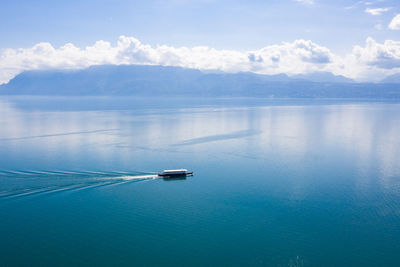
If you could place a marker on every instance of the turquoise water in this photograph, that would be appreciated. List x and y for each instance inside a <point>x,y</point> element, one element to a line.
<point>277,182</point>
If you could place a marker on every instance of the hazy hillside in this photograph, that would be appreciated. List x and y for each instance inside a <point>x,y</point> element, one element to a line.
<point>323,77</point>
<point>395,78</point>
<point>175,81</point>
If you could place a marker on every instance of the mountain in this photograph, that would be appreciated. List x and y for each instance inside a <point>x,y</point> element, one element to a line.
<point>152,81</point>
<point>323,77</point>
<point>395,78</point>
<point>102,80</point>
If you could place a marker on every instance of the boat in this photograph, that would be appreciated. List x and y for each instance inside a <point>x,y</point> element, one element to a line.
<point>175,173</point>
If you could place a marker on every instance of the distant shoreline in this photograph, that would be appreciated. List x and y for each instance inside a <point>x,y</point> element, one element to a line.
<point>159,81</point>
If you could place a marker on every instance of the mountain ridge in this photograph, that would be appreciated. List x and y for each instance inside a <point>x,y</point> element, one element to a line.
<point>154,80</point>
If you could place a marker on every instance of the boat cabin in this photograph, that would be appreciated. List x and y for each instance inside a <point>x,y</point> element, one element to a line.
<point>175,173</point>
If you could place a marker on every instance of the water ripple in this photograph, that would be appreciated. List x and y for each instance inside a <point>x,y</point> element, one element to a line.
<point>22,183</point>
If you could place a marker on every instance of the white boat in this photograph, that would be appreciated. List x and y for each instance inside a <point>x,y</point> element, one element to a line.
<point>175,173</point>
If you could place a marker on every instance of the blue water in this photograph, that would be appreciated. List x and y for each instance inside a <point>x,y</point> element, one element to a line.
<point>277,182</point>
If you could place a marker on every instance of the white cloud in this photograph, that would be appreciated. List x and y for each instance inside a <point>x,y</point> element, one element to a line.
<point>295,57</point>
<point>395,23</point>
<point>377,11</point>
<point>384,56</point>
<point>301,56</point>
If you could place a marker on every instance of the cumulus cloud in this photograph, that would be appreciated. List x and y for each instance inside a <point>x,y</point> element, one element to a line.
<point>395,23</point>
<point>385,56</point>
<point>377,11</point>
<point>299,56</point>
<point>253,58</point>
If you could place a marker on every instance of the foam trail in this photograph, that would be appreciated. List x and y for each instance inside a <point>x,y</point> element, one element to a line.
<point>135,177</point>
<point>95,172</point>
<point>22,173</point>
<point>37,182</point>
<point>130,179</point>
<point>94,186</point>
<point>43,172</point>
<point>67,172</point>
<point>12,172</point>
<point>30,192</point>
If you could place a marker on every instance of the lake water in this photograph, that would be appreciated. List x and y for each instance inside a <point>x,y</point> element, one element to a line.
<point>276,182</point>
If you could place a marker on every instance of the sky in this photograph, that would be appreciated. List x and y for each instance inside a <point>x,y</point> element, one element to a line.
<point>356,39</point>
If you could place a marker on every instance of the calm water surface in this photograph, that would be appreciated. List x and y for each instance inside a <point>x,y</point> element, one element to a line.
<point>277,182</point>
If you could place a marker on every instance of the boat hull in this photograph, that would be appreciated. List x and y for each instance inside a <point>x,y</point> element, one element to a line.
<point>174,175</point>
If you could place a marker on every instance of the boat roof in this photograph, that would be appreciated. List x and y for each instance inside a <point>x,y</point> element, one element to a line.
<point>176,170</point>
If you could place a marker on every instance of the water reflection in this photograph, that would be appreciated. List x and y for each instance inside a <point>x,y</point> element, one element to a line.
<point>171,179</point>
<point>276,181</point>
<point>292,135</point>
<point>218,137</point>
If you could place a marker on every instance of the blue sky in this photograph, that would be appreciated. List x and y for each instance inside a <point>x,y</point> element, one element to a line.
<point>223,25</point>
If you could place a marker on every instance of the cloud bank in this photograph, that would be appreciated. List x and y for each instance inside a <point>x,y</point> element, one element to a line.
<point>383,56</point>
<point>395,23</point>
<point>365,63</point>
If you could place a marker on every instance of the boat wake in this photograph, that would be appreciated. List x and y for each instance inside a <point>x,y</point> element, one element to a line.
<point>14,184</point>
